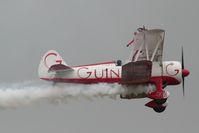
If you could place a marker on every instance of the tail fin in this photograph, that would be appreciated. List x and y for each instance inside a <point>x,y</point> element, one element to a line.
<point>48,63</point>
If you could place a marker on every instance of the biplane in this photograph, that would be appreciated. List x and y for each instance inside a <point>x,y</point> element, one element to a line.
<point>145,66</point>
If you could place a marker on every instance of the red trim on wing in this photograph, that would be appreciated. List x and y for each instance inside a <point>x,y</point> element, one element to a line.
<point>101,63</point>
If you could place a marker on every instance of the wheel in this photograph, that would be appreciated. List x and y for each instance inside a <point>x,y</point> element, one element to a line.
<point>159,109</point>
<point>160,101</point>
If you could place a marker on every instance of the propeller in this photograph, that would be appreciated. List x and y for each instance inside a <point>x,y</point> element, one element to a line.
<point>182,59</point>
<point>185,72</point>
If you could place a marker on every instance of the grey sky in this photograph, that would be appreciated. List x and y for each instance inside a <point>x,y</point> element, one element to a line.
<point>88,31</point>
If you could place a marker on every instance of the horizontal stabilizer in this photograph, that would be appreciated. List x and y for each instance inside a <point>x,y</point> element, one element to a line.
<point>59,67</point>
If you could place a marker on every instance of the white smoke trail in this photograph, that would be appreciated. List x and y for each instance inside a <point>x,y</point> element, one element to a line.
<point>19,94</point>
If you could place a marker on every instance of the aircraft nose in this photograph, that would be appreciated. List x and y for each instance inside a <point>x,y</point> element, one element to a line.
<point>185,72</point>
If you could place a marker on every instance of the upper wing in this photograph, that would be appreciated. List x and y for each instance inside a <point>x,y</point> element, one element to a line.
<point>148,45</point>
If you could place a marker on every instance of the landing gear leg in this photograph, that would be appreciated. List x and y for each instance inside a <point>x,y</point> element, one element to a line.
<point>165,84</point>
<point>160,93</point>
<point>159,96</point>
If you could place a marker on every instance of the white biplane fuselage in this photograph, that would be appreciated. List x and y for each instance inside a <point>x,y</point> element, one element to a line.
<point>109,72</point>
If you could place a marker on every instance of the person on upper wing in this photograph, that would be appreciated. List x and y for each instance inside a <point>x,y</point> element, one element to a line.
<point>142,29</point>
<point>135,33</point>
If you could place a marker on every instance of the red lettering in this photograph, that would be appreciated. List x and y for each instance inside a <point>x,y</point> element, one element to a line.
<point>167,70</point>
<point>102,74</point>
<point>117,74</point>
<point>87,73</point>
<point>106,72</point>
<point>45,59</point>
<point>59,61</point>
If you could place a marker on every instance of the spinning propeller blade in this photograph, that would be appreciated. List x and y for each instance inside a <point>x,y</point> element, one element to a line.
<point>185,73</point>
<point>182,59</point>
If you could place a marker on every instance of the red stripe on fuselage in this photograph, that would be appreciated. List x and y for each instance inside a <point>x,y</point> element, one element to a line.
<point>85,81</point>
<point>169,80</point>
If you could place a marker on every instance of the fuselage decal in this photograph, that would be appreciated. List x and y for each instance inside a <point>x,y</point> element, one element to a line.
<point>86,72</point>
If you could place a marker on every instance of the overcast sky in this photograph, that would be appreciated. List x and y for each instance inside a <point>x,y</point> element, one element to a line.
<point>89,31</point>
